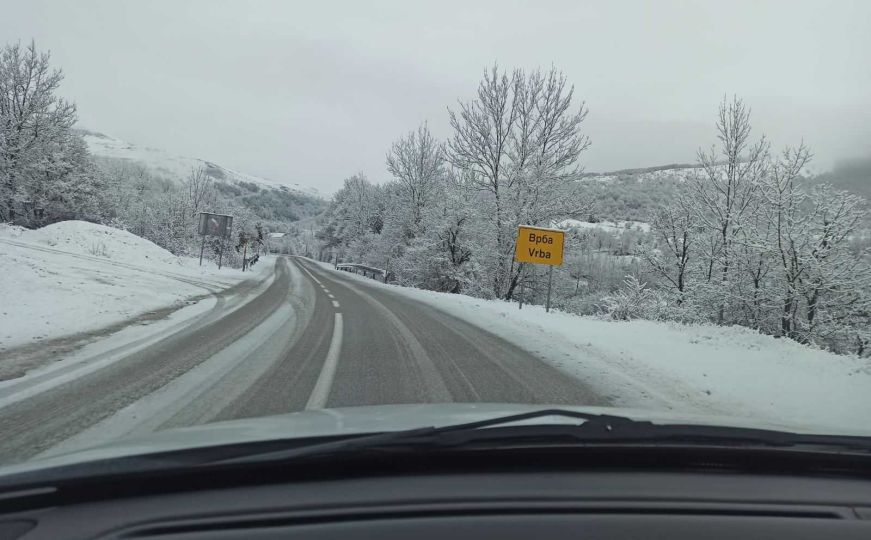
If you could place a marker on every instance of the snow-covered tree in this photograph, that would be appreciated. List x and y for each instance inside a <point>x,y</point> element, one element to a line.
<point>201,194</point>
<point>480,148</point>
<point>519,143</point>
<point>820,282</point>
<point>416,161</point>
<point>724,191</point>
<point>748,243</point>
<point>34,129</point>
<point>675,228</point>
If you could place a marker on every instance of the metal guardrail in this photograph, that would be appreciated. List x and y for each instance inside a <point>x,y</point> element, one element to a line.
<point>362,269</point>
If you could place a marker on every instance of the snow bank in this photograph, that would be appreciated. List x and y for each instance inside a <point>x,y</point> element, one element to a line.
<point>696,369</point>
<point>83,238</point>
<point>73,277</point>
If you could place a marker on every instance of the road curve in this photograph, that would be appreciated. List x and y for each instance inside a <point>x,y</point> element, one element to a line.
<point>313,338</point>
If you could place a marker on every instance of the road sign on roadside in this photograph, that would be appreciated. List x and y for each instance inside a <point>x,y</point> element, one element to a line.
<point>539,245</point>
<point>215,224</point>
<point>218,225</point>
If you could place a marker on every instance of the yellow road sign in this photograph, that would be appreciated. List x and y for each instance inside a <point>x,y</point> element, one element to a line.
<point>540,246</point>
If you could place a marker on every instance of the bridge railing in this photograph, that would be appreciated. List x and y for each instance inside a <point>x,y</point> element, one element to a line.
<point>363,270</point>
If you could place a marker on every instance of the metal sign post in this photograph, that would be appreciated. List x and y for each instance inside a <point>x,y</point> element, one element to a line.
<point>549,285</point>
<point>221,254</point>
<point>522,290</point>
<point>202,248</point>
<point>539,245</point>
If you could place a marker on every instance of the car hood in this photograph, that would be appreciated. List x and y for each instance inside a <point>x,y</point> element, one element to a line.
<point>356,420</point>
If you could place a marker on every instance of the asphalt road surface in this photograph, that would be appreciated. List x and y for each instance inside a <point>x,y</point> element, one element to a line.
<point>310,337</point>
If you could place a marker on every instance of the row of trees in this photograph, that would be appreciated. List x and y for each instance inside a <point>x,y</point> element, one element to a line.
<point>747,242</point>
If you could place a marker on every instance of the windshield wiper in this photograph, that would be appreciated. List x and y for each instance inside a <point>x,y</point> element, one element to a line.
<point>492,434</point>
<point>595,429</point>
<point>396,437</point>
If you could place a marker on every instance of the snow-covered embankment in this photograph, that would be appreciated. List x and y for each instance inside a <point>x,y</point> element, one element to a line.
<point>74,276</point>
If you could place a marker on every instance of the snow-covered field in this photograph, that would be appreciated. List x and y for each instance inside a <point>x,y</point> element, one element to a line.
<point>697,369</point>
<point>73,277</point>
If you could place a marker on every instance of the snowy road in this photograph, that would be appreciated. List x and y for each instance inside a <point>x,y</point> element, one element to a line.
<point>310,338</point>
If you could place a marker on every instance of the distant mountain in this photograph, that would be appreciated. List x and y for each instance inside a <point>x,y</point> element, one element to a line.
<point>277,205</point>
<point>175,167</point>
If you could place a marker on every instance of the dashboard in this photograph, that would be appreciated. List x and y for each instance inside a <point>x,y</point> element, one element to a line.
<point>554,504</point>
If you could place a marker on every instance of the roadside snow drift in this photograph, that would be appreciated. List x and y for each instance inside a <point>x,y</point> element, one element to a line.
<point>698,369</point>
<point>73,277</point>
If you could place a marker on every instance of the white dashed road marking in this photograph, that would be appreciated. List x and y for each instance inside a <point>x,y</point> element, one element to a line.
<point>321,392</point>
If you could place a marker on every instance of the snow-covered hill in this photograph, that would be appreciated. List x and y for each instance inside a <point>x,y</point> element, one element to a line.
<point>173,166</point>
<point>674,171</point>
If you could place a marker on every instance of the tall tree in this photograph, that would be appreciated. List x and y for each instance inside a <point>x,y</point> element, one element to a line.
<point>33,120</point>
<point>480,147</point>
<point>416,161</point>
<point>200,191</point>
<point>675,229</point>
<point>519,142</point>
<point>545,147</point>
<point>725,189</point>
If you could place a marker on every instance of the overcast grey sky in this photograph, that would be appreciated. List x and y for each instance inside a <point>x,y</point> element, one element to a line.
<point>312,92</point>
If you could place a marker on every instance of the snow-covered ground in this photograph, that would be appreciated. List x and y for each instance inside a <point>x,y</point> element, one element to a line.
<point>73,277</point>
<point>173,166</point>
<point>697,369</point>
<point>617,227</point>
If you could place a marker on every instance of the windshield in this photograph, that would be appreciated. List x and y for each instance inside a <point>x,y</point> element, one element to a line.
<point>399,215</point>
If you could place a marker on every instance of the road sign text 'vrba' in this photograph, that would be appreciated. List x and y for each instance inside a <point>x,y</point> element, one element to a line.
<point>539,246</point>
